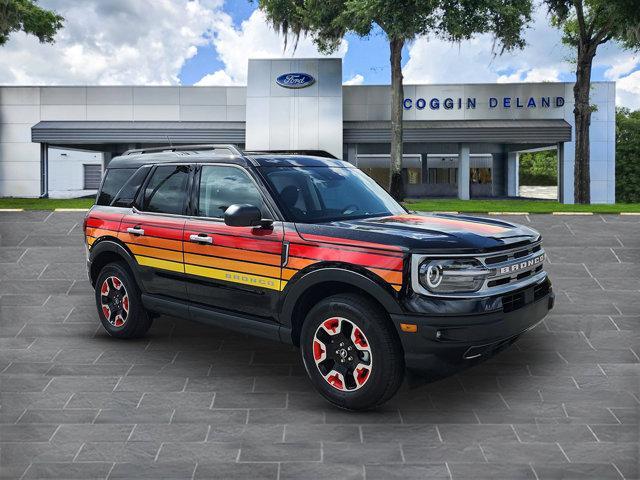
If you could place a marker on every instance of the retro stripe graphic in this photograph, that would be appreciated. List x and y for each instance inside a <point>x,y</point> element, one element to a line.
<point>240,255</point>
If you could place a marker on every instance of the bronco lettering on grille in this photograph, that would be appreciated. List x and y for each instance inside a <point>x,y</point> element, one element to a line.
<point>516,267</point>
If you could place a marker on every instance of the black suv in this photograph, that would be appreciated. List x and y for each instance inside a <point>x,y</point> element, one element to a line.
<point>310,251</point>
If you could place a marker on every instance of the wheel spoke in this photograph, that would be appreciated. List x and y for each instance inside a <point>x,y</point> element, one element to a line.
<point>342,354</point>
<point>114,301</point>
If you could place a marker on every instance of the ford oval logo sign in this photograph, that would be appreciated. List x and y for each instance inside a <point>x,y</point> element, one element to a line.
<point>295,80</point>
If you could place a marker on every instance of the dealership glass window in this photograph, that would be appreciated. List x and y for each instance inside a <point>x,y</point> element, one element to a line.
<point>443,175</point>
<point>166,191</point>
<point>480,175</point>
<point>113,181</point>
<point>379,175</point>
<point>223,186</point>
<point>414,176</point>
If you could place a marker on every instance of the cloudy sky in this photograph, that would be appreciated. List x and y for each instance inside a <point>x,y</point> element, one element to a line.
<point>208,42</point>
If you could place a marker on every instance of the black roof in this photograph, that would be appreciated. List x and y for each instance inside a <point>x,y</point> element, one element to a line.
<point>138,158</point>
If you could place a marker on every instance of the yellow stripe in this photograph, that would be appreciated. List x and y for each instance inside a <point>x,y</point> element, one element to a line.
<point>162,264</point>
<point>235,265</point>
<point>234,277</point>
<point>155,252</point>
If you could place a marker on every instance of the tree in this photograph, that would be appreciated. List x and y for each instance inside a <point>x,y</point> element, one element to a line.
<point>327,21</point>
<point>28,17</point>
<point>587,24</point>
<point>627,156</point>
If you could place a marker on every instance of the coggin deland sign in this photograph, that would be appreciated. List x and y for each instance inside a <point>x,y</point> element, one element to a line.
<point>469,103</point>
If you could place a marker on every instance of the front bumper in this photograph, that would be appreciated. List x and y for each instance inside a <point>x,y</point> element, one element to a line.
<point>444,344</point>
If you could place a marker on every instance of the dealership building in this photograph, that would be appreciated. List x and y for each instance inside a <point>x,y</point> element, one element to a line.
<point>460,140</point>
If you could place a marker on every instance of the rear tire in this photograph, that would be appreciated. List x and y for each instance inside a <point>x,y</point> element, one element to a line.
<point>120,304</point>
<point>351,352</point>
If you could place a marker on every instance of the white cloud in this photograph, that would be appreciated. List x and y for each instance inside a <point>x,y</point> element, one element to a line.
<point>114,42</point>
<point>628,91</point>
<point>531,75</point>
<point>219,77</point>
<point>436,61</point>
<point>545,58</point>
<point>253,39</point>
<point>357,79</point>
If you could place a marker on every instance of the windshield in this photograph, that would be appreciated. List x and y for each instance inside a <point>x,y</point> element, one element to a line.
<point>323,194</point>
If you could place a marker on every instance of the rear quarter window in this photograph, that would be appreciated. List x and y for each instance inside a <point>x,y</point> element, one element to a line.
<point>114,180</point>
<point>127,193</point>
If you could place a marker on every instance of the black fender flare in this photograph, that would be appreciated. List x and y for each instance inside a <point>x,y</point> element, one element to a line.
<point>296,289</point>
<point>101,246</point>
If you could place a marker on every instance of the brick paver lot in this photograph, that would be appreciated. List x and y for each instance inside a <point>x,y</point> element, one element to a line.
<point>191,401</point>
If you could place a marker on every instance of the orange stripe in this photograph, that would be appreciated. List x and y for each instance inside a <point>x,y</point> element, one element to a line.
<point>244,267</point>
<point>155,252</point>
<point>386,275</point>
<point>99,232</point>
<point>287,273</point>
<point>151,241</point>
<point>232,253</point>
<point>397,288</point>
<point>300,263</point>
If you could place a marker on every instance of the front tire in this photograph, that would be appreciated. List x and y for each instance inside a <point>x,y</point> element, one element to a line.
<point>351,352</point>
<point>120,304</point>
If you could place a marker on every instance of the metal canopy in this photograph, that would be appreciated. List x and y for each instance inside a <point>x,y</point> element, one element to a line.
<point>436,131</point>
<point>58,132</point>
<point>453,131</point>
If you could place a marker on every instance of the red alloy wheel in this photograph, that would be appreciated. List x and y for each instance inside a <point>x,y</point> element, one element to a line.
<point>114,301</point>
<point>342,354</point>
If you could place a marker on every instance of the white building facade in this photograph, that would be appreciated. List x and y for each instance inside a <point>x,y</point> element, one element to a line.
<point>459,140</point>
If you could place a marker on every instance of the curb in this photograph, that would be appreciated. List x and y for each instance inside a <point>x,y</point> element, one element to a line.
<point>630,213</point>
<point>70,209</point>
<point>508,213</point>
<point>11,209</point>
<point>571,213</point>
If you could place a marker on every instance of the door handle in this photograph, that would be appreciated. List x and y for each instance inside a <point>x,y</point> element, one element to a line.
<point>201,238</point>
<point>135,231</point>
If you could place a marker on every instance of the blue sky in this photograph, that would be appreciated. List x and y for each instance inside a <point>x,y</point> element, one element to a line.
<point>125,42</point>
<point>368,56</point>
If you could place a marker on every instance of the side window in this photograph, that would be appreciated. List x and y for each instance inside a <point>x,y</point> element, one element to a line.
<point>166,191</point>
<point>114,179</point>
<point>222,186</point>
<point>128,192</point>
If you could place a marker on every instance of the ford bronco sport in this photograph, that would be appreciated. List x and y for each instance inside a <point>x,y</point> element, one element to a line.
<point>309,250</point>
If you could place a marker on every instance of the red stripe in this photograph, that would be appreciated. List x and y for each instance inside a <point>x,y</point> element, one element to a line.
<point>359,258</point>
<point>103,224</point>
<point>349,242</point>
<point>155,221</point>
<point>152,231</point>
<point>257,245</point>
<point>105,215</point>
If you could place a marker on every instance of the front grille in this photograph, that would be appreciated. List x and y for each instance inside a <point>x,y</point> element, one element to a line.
<point>516,300</point>
<point>513,267</point>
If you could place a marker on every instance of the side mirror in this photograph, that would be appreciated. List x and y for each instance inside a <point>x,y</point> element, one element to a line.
<point>243,215</point>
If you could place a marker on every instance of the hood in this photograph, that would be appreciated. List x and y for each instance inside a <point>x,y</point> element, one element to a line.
<point>428,232</point>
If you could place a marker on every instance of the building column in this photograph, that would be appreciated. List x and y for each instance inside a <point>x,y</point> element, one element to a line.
<point>463,171</point>
<point>561,176</point>
<point>352,154</point>
<point>513,167</point>
<point>44,170</point>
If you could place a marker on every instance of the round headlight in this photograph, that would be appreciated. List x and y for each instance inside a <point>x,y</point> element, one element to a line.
<point>451,275</point>
<point>433,275</point>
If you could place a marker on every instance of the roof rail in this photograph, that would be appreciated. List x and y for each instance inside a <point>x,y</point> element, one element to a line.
<point>233,149</point>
